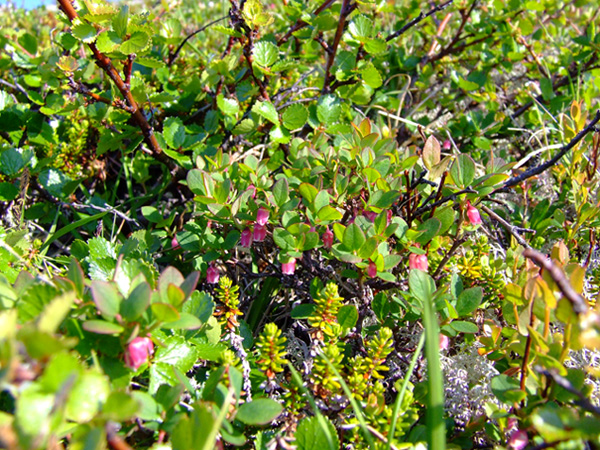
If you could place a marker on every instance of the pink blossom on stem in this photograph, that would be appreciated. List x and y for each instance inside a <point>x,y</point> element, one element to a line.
<point>175,243</point>
<point>447,145</point>
<point>138,352</point>
<point>212,275</point>
<point>327,238</point>
<point>260,232</point>
<point>444,342</point>
<point>473,214</point>
<point>289,267</point>
<point>246,238</point>
<point>372,269</point>
<point>518,440</point>
<point>262,216</point>
<point>418,262</point>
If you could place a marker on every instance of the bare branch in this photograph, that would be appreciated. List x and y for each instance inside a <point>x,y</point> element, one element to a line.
<point>173,56</point>
<point>418,19</point>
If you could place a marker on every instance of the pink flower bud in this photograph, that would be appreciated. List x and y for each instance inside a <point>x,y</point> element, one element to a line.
<point>418,262</point>
<point>289,267</point>
<point>518,440</point>
<point>447,145</point>
<point>252,190</point>
<point>327,238</point>
<point>262,216</point>
<point>138,352</point>
<point>390,214</point>
<point>444,342</point>
<point>175,243</point>
<point>372,270</point>
<point>473,214</point>
<point>212,275</point>
<point>246,238</point>
<point>260,232</point>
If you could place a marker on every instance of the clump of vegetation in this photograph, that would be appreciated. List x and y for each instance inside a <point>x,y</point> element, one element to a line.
<point>312,224</point>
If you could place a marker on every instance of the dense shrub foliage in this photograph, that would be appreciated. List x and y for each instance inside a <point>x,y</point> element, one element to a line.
<point>337,224</point>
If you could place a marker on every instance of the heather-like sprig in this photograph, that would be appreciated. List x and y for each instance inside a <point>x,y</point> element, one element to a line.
<point>324,380</point>
<point>228,295</point>
<point>328,303</point>
<point>271,351</point>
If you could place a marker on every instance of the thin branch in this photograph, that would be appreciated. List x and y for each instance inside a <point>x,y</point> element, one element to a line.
<point>564,383</point>
<point>346,10</point>
<point>137,113</point>
<point>579,304</point>
<point>173,56</point>
<point>452,197</point>
<point>542,167</point>
<point>301,24</point>
<point>418,19</point>
<point>512,229</point>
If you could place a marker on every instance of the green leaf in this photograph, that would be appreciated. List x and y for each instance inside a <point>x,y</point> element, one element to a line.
<point>507,389</point>
<point>151,214</point>
<point>469,300</point>
<point>137,302</point>
<point>265,53</point>
<point>87,396</point>
<point>295,116</point>
<point>431,152</point>
<point>310,435</point>
<point>102,327</point>
<point>137,42</point>
<point>371,76</point>
<point>429,229</point>
<point>259,412</point>
<point>174,132</point>
<point>329,109</point>
<point>463,170</point>
<point>302,311</point>
<point>84,32</point>
<point>185,322</point>
<point>228,106</point>
<point>464,327</point>
<point>347,316</point>
<point>55,312</point>
<point>354,237</point>
<point>361,28</point>
<point>266,110</point>
<point>107,298</point>
<point>120,407</point>
<point>176,353</point>
<point>329,214</point>
<point>308,191</point>
<point>467,85</point>
<point>281,191</point>
<point>196,432</point>
<point>421,285</point>
<point>119,22</point>
<point>108,41</point>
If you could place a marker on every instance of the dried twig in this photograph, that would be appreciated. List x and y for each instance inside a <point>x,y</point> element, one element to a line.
<point>512,229</point>
<point>418,19</point>
<point>173,56</point>
<point>542,167</point>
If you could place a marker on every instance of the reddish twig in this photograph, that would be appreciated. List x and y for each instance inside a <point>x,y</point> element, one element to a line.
<point>137,113</point>
<point>347,8</point>
<point>173,56</point>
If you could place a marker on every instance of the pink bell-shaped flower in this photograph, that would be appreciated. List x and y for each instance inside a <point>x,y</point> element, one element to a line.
<point>447,145</point>
<point>175,244</point>
<point>372,269</point>
<point>262,216</point>
<point>246,238</point>
<point>418,262</point>
<point>212,275</point>
<point>473,214</point>
<point>138,352</point>
<point>327,238</point>
<point>260,232</point>
<point>518,440</point>
<point>289,267</point>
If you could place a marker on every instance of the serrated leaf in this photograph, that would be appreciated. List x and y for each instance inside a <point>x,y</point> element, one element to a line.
<point>361,28</point>
<point>137,42</point>
<point>315,435</point>
<point>371,76</point>
<point>266,110</point>
<point>329,109</point>
<point>228,106</point>
<point>295,116</point>
<point>67,63</point>
<point>174,132</point>
<point>265,53</point>
<point>226,30</point>
<point>108,41</point>
<point>84,32</point>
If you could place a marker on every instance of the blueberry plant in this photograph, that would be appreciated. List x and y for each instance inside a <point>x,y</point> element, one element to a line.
<point>300,224</point>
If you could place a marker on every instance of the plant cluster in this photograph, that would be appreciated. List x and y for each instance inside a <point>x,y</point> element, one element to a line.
<point>319,224</point>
